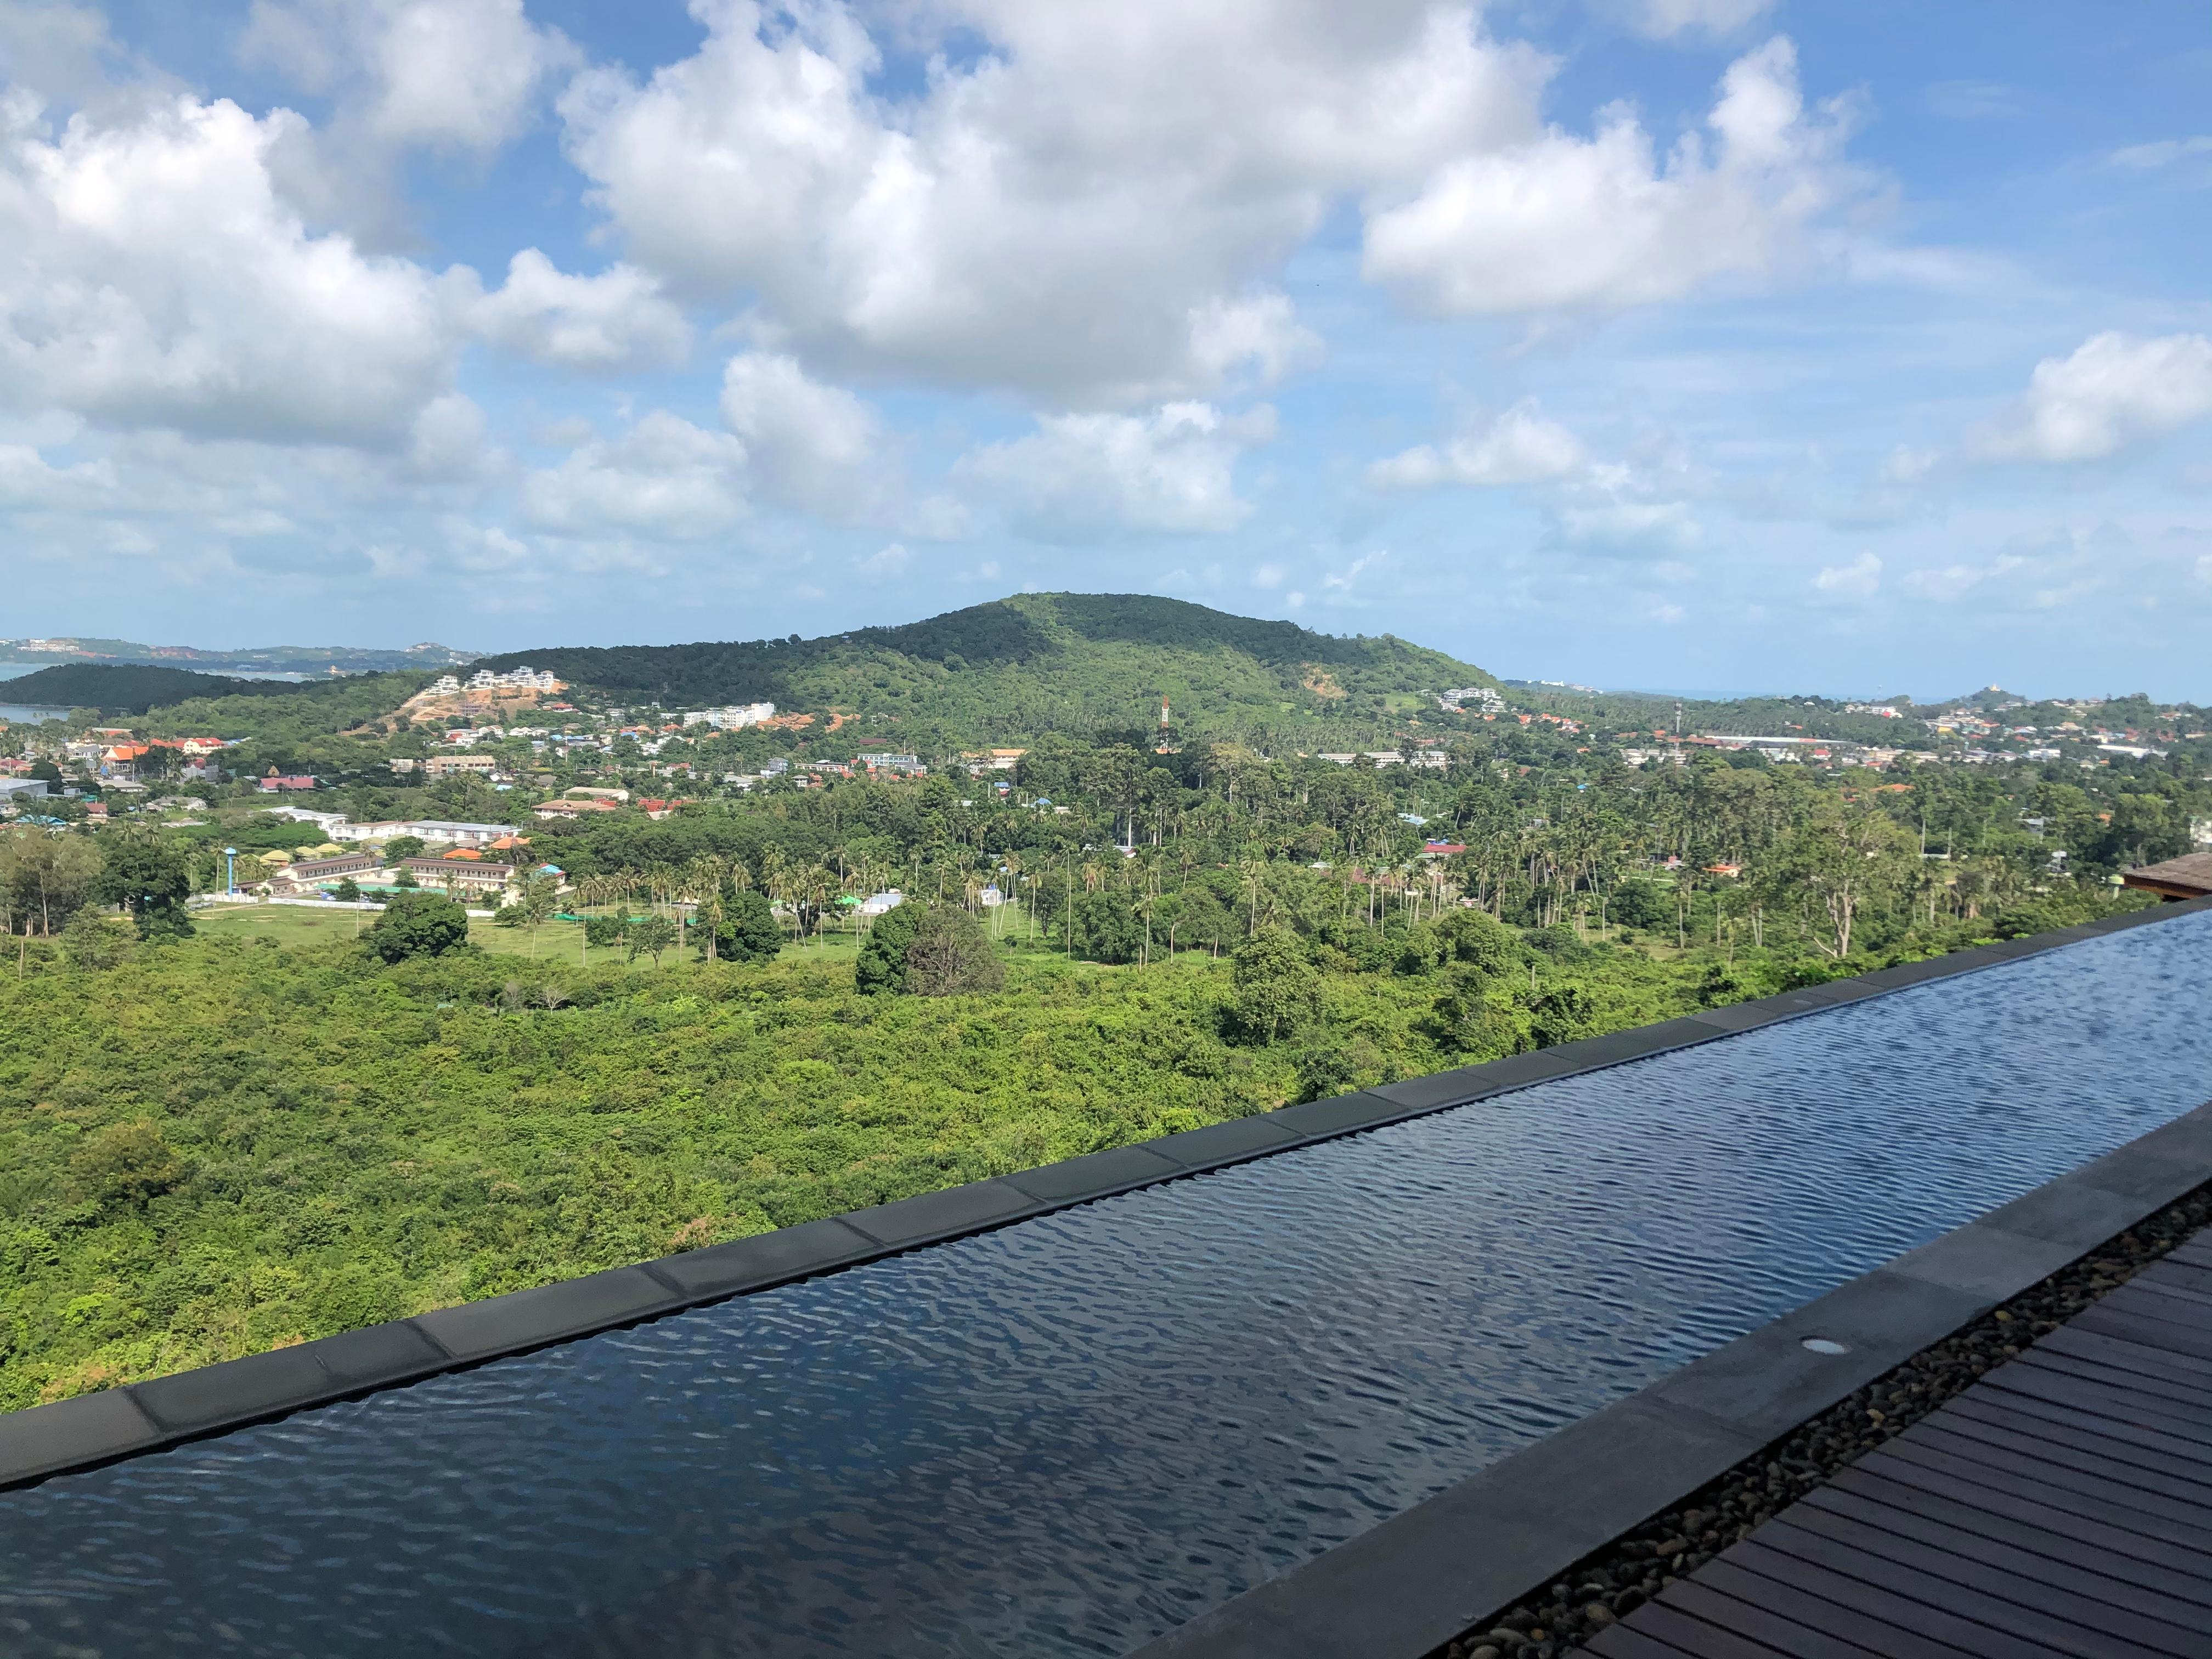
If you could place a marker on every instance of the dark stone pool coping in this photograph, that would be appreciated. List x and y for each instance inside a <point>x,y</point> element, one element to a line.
<point>1568,1493</point>
<point>1436,1571</point>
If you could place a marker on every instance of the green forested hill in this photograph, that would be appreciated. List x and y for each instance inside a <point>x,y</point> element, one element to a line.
<point>131,688</point>
<point>182,701</point>
<point>1063,662</point>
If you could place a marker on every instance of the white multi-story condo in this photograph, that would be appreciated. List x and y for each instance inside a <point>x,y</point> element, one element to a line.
<point>732,718</point>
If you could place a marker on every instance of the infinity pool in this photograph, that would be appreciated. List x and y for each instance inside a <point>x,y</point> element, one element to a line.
<point>1071,1435</point>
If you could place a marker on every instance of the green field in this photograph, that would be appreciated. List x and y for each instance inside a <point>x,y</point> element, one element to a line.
<point>287,924</point>
<point>556,941</point>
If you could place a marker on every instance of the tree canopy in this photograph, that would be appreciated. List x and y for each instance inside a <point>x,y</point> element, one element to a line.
<point>418,925</point>
<point>949,956</point>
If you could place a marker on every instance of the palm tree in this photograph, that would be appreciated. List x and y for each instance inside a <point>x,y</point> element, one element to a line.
<point>817,887</point>
<point>711,910</point>
<point>869,877</point>
<point>1009,867</point>
<point>775,877</point>
<point>703,877</point>
<point>1928,886</point>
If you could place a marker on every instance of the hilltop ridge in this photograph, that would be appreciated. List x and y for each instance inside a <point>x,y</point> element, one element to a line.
<point>1034,663</point>
<point>131,688</point>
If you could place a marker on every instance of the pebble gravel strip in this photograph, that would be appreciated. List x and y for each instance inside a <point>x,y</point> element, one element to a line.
<point>1608,1585</point>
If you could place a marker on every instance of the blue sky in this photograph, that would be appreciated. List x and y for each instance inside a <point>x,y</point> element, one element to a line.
<point>1714,343</point>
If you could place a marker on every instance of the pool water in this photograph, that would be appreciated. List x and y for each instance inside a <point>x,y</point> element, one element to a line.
<point>1071,1435</point>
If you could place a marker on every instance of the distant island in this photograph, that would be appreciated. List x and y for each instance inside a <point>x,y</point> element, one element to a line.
<point>262,659</point>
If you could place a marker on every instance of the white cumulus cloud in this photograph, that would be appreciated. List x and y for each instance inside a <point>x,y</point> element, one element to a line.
<point>1613,525</point>
<point>1602,222</point>
<point>444,74</point>
<point>1949,583</point>
<point>812,445</point>
<point>27,479</point>
<point>615,320</point>
<point>1858,579</point>
<point>1665,20</point>
<point>61,50</point>
<point>663,479</point>
<point>451,440</point>
<point>1341,582</point>
<point>2114,389</point>
<point>885,563</point>
<point>154,277</point>
<point>1088,211</point>
<point>1077,476</point>
<point>1518,447</point>
<point>2162,153</point>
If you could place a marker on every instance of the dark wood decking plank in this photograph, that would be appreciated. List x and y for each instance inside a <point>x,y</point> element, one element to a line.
<point>2151,1332</point>
<point>1627,1642</point>
<point>2111,1402</point>
<point>2183,1395</point>
<point>2195,1253</point>
<point>1964,1438</point>
<point>2076,1343</point>
<point>2080,1491</point>
<point>1841,1579</point>
<point>2090,1453</point>
<point>1694,1635</point>
<point>2113,1398</point>
<point>1763,1623</point>
<point>2184,1570</point>
<point>1925,1530</point>
<point>2164,1300</point>
<point>2143,1303</point>
<point>2126,1509</point>
<point>2002,1601</point>
<point>2105,1435</point>
<point>1806,1602</point>
<point>2177,1279</point>
<point>2171,1279</point>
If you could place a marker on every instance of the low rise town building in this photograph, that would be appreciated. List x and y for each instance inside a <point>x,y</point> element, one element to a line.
<point>446,766</point>
<point>306,878</point>
<point>328,823</point>
<point>566,808</point>
<point>467,875</point>
<point>438,829</point>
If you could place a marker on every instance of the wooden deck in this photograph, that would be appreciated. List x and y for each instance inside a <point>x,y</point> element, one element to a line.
<point>2060,1506</point>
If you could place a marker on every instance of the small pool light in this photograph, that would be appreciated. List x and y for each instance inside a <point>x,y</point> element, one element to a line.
<point>1822,1345</point>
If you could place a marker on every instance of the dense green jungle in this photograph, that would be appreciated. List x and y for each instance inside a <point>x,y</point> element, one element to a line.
<point>214,1141</point>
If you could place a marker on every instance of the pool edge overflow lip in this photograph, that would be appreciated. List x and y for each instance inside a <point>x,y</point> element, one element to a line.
<point>40,1442</point>
<point>1425,1577</point>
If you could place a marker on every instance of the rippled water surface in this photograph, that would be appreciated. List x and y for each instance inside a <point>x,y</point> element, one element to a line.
<point>1069,1435</point>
